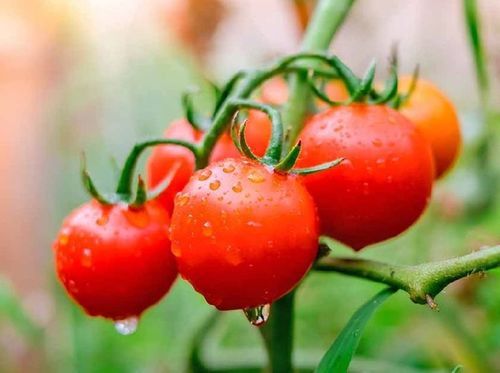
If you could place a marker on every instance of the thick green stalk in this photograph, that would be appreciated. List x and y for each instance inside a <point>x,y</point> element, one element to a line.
<point>423,281</point>
<point>278,334</point>
<point>326,20</point>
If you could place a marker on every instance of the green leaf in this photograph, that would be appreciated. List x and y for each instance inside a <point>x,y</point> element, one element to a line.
<point>457,369</point>
<point>13,311</point>
<point>339,355</point>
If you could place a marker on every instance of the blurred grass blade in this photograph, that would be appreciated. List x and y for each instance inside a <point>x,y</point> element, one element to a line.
<point>12,310</point>
<point>474,31</point>
<point>457,369</point>
<point>339,355</point>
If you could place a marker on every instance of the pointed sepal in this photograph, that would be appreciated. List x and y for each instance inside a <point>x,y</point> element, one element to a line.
<point>88,184</point>
<point>287,163</point>
<point>318,168</point>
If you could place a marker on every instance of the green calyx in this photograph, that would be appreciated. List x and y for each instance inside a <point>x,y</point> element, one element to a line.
<point>124,192</point>
<point>273,156</point>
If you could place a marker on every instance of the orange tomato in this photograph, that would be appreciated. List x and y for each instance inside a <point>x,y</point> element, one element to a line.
<point>436,117</point>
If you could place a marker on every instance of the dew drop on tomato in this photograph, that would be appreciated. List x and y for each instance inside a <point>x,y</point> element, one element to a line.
<point>228,168</point>
<point>176,250</point>
<point>127,326</point>
<point>207,229</point>
<point>204,175</point>
<point>63,239</point>
<point>86,260</point>
<point>181,199</point>
<point>256,176</point>
<point>214,185</point>
<point>237,188</point>
<point>259,315</point>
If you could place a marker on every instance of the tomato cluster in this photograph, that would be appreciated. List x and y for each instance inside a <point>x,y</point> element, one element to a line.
<point>245,231</point>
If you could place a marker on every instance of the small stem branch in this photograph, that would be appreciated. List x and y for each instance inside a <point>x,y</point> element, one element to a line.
<point>125,183</point>
<point>423,281</point>
<point>278,334</point>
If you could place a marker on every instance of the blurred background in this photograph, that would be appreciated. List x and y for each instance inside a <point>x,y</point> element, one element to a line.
<point>99,75</point>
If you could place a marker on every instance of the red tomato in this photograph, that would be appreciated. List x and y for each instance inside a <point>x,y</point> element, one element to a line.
<point>434,114</point>
<point>113,260</point>
<point>386,181</point>
<point>243,235</point>
<point>177,162</point>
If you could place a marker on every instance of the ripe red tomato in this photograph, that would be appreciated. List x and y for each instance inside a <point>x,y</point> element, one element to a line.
<point>434,114</point>
<point>113,260</point>
<point>243,235</point>
<point>177,162</point>
<point>384,184</point>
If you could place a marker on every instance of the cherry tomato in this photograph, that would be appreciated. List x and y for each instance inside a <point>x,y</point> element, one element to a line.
<point>243,235</point>
<point>177,163</point>
<point>385,182</point>
<point>434,114</point>
<point>113,260</point>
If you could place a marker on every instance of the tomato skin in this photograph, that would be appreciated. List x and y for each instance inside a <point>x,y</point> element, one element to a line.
<point>114,261</point>
<point>180,161</point>
<point>243,236</point>
<point>384,184</point>
<point>434,114</point>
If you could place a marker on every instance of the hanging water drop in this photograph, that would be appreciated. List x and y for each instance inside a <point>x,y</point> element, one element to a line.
<point>127,326</point>
<point>258,316</point>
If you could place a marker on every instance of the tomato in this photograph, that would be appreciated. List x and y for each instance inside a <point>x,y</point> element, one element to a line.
<point>177,163</point>
<point>243,235</point>
<point>113,260</point>
<point>384,184</point>
<point>434,114</point>
<point>275,91</point>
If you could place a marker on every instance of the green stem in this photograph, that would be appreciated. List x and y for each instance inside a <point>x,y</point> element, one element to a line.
<point>278,334</point>
<point>125,183</point>
<point>423,281</point>
<point>273,151</point>
<point>326,20</point>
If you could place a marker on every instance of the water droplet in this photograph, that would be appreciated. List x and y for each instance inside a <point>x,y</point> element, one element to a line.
<point>207,229</point>
<point>256,176</point>
<point>86,257</point>
<point>63,239</point>
<point>181,199</point>
<point>380,161</point>
<point>237,188</point>
<point>254,224</point>
<point>258,316</point>
<point>228,168</point>
<point>176,250</point>
<point>127,326</point>
<point>204,175</point>
<point>338,128</point>
<point>102,220</point>
<point>377,143</point>
<point>214,185</point>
